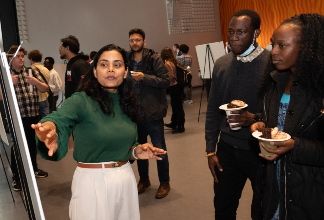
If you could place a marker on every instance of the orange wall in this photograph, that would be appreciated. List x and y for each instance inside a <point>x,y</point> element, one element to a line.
<point>272,12</point>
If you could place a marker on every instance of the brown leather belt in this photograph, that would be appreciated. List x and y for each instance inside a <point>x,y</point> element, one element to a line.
<point>102,165</point>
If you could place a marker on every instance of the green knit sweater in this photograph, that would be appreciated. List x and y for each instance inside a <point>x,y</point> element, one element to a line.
<point>98,137</point>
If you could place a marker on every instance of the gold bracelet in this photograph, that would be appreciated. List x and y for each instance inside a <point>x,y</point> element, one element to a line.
<point>210,154</point>
<point>134,153</point>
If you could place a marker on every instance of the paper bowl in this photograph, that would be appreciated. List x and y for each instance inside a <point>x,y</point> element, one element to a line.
<point>270,143</point>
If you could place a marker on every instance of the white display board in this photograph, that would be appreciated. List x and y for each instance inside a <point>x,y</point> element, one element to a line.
<point>207,54</point>
<point>30,193</point>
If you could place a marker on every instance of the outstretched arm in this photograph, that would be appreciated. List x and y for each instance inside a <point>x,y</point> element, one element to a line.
<point>46,132</point>
<point>148,151</point>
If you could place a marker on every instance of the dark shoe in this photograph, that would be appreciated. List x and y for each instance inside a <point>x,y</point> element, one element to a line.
<point>162,191</point>
<point>41,173</point>
<point>142,186</point>
<point>170,125</point>
<point>178,130</point>
<point>16,186</point>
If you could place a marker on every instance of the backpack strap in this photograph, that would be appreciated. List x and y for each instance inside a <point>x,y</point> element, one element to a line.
<point>43,77</point>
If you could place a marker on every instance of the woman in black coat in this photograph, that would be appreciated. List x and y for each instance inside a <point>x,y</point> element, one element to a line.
<point>292,181</point>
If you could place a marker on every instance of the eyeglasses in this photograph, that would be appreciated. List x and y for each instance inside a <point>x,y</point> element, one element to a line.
<point>135,40</point>
<point>117,64</point>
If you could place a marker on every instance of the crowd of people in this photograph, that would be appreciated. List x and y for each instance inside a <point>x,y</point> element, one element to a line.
<point>113,90</point>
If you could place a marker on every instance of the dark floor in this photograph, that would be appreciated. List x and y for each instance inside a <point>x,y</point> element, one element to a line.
<point>190,197</point>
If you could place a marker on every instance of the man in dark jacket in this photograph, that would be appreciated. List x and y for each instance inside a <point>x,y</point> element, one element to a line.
<point>236,75</point>
<point>150,78</point>
<point>77,64</point>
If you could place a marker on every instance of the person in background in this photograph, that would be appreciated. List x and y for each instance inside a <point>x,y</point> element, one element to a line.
<point>92,55</point>
<point>150,79</point>
<point>293,99</point>
<point>27,83</point>
<point>185,62</point>
<point>35,58</point>
<point>175,91</point>
<point>176,50</point>
<point>77,65</point>
<point>102,117</point>
<point>55,83</point>
<point>233,154</point>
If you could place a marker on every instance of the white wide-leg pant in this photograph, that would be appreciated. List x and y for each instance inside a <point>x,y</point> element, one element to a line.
<point>104,194</point>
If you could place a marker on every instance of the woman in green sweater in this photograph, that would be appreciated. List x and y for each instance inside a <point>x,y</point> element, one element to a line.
<point>102,119</point>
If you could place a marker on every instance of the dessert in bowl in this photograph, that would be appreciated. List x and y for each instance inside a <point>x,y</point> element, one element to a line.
<point>270,138</point>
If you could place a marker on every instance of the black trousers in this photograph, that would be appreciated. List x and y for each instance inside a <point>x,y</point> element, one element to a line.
<point>52,103</point>
<point>31,141</point>
<point>178,114</point>
<point>238,166</point>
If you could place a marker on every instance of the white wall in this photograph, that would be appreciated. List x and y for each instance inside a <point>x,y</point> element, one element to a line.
<point>97,23</point>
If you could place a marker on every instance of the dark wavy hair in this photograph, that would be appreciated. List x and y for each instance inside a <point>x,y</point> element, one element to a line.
<point>35,56</point>
<point>310,61</point>
<point>167,54</point>
<point>92,88</point>
<point>72,42</point>
<point>137,31</point>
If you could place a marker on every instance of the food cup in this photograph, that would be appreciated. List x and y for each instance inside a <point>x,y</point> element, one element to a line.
<point>229,112</point>
<point>232,125</point>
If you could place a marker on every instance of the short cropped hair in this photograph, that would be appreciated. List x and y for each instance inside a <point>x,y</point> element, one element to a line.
<point>50,60</point>
<point>255,17</point>
<point>72,42</point>
<point>184,48</point>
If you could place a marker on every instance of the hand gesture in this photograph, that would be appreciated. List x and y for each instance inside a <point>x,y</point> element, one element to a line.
<point>213,162</point>
<point>147,151</point>
<point>46,132</point>
<point>137,75</point>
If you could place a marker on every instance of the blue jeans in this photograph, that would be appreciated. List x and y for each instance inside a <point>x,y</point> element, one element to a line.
<point>155,130</point>
<point>43,108</point>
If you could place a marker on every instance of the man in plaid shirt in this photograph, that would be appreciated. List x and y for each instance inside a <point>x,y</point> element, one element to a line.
<point>185,62</point>
<point>26,83</point>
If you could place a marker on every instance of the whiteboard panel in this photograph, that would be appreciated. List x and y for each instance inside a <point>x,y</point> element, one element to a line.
<point>30,193</point>
<point>207,54</point>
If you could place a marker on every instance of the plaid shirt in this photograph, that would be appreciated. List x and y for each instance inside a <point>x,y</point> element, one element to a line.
<point>184,60</point>
<point>27,96</point>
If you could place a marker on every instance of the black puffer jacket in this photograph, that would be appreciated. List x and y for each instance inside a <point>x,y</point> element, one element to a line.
<point>151,90</point>
<point>302,169</point>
